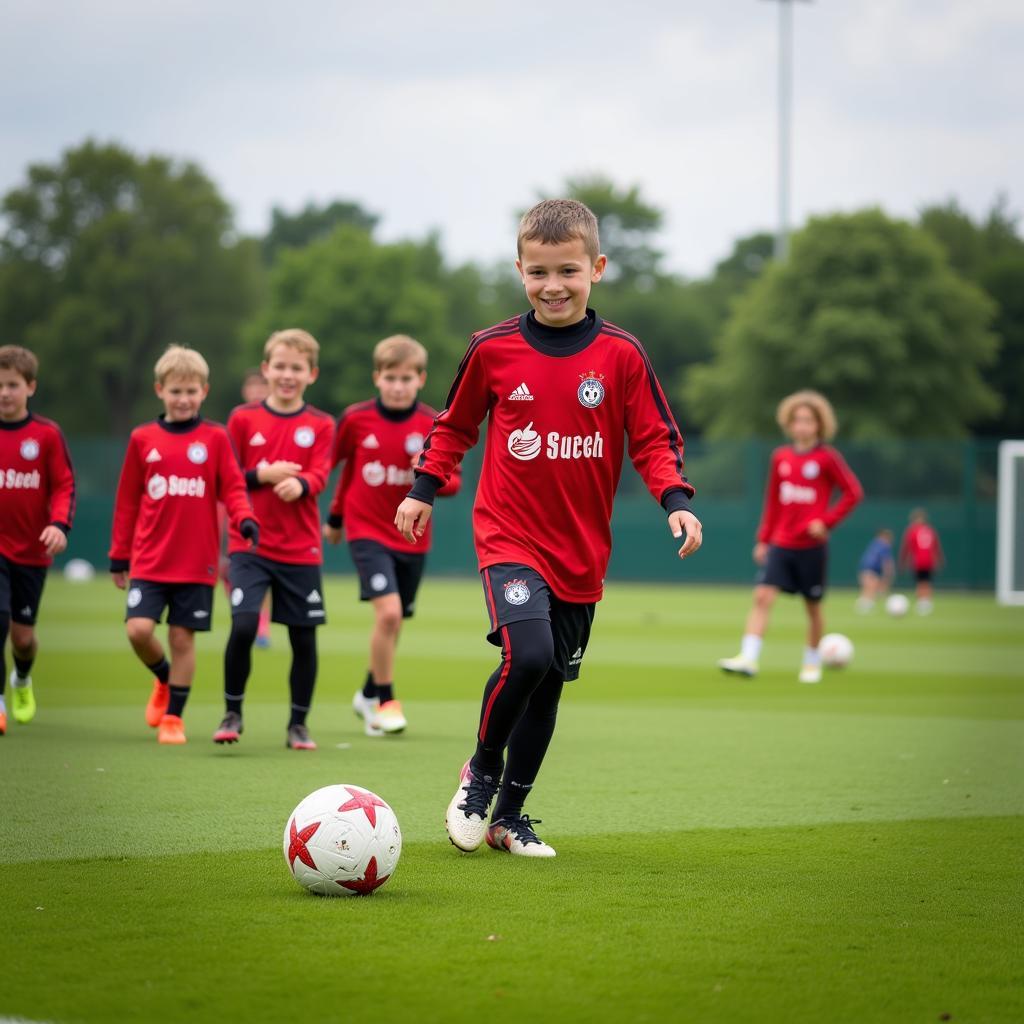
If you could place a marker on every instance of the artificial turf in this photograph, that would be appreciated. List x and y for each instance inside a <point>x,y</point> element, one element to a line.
<point>728,850</point>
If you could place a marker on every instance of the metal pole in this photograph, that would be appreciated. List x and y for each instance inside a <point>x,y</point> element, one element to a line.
<point>785,133</point>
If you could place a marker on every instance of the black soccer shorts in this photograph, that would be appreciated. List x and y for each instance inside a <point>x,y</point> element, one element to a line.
<point>515,593</point>
<point>187,604</point>
<point>796,570</point>
<point>383,571</point>
<point>296,591</point>
<point>21,589</point>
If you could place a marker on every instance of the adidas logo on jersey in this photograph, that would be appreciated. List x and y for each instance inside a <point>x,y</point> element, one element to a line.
<point>257,439</point>
<point>153,456</point>
<point>370,441</point>
<point>313,597</point>
<point>521,394</point>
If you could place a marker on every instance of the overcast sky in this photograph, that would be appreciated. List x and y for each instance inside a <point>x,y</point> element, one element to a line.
<point>451,114</point>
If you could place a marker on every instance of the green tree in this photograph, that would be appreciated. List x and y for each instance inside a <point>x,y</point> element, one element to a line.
<point>868,311</point>
<point>105,259</point>
<point>296,230</point>
<point>991,254</point>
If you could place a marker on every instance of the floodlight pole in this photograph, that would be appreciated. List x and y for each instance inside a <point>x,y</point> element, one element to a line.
<point>785,101</point>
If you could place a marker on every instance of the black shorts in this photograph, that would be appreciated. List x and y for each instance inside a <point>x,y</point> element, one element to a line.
<point>296,591</point>
<point>515,593</point>
<point>21,588</point>
<point>796,570</point>
<point>383,571</point>
<point>923,575</point>
<point>188,604</point>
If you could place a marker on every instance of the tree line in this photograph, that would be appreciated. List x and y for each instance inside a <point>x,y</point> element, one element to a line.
<point>914,329</point>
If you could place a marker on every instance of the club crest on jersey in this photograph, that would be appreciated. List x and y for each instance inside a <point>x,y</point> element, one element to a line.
<point>524,444</point>
<point>413,443</point>
<point>236,597</point>
<point>811,470</point>
<point>516,591</point>
<point>591,390</point>
<point>374,473</point>
<point>378,581</point>
<point>304,437</point>
<point>30,448</point>
<point>197,453</point>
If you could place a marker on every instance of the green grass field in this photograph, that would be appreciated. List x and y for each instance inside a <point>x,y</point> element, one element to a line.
<point>727,851</point>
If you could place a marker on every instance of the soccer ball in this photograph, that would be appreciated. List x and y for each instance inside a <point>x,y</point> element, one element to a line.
<point>897,605</point>
<point>78,570</point>
<point>342,841</point>
<point>836,650</point>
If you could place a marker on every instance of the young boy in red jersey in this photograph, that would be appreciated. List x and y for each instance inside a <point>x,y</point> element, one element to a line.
<point>37,504</point>
<point>284,447</point>
<point>379,442</point>
<point>166,534</point>
<point>792,540</point>
<point>562,390</point>
<point>921,552</point>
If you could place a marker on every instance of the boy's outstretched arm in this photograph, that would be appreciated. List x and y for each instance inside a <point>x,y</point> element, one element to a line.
<point>685,522</point>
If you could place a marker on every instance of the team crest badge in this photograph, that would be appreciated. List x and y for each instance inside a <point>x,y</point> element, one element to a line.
<point>30,448</point>
<point>304,437</point>
<point>413,443</point>
<point>516,591</point>
<point>134,597</point>
<point>197,453</point>
<point>591,390</point>
<point>811,470</point>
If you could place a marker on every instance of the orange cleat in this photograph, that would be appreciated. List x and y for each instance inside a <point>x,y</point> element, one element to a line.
<point>171,730</point>
<point>3,722</point>
<point>158,702</point>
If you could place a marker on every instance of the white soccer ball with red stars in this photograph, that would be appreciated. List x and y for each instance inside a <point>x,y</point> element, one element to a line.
<point>342,841</point>
<point>836,650</point>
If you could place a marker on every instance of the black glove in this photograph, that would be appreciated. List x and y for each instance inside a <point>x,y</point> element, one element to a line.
<point>334,522</point>
<point>250,531</point>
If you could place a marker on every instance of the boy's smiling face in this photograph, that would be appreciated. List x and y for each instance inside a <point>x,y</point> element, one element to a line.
<point>399,385</point>
<point>558,278</point>
<point>182,397</point>
<point>288,373</point>
<point>15,392</point>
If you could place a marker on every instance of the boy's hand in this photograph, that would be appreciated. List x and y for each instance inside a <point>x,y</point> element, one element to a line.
<point>275,472</point>
<point>250,530</point>
<point>120,579</point>
<point>289,489</point>
<point>53,540</point>
<point>332,534</point>
<point>685,522</point>
<point>760,553</point>
<point>816,528</point>
<point>412,518</point>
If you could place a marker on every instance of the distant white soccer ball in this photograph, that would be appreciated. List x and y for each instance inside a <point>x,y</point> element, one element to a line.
<point>897,605</point>
<point>836,650</point>
<point>342,841</point>
<point>78,570</point>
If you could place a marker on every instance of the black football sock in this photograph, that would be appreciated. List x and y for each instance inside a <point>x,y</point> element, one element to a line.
<point>22,665</point>
<point>369,687</point>
<point>176,705</point>
<point>302,677</point>
<point>386,692</point>
<point>238,658</point>
<point>161,669</point>
<point>527,747</point>
<point>5,623</point>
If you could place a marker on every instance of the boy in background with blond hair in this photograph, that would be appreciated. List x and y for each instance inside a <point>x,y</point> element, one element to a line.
<point>792,540</point>
<point>284,446</point>
<point>378,442</point>
<point>166,534</point>
<point>37,504</point>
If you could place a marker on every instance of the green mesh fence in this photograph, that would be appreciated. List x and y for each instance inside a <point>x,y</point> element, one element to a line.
<point>954,481</point>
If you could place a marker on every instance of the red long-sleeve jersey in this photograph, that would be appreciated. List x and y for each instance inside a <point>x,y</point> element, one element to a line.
<point>557,424</point>
<point>799,489</point>
<point>920,549</point>
<point>165,515</point>
<point>289,531</point>
<point>378,447</point>
<point>37,487</point>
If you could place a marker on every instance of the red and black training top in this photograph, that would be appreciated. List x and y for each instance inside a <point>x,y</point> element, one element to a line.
<point>289,531</point>
<point>559,419</point>
<point>37,487</point>
<point>378,447</point>
<point>165,513</point>
<point>799,489</point>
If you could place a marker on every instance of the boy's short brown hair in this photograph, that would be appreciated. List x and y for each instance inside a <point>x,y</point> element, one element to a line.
<point>554,221</point>
<point>817,403</point>
<point>398,350</point>
<point>181,361</point>
<point>20,360</point>
<point>294,337</point>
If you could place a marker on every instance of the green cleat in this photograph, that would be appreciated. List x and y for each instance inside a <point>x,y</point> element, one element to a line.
<point>23,700</point>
